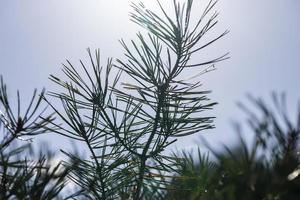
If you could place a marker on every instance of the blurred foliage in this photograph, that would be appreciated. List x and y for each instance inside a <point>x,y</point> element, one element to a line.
<point>268,169</point>
<point>24,174</point>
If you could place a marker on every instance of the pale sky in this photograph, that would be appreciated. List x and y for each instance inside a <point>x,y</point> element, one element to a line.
<point>37,36</point>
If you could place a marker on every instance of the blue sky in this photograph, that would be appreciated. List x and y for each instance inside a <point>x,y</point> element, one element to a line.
<point>37,36</point>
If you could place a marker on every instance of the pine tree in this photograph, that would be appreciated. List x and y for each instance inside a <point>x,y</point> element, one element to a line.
<point>127,127</point>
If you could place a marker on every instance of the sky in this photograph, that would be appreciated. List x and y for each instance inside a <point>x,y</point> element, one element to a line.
<point>37,36</point>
